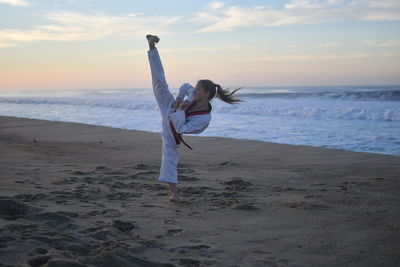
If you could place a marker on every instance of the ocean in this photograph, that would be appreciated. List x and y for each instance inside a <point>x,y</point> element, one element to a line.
<point>356,118</point>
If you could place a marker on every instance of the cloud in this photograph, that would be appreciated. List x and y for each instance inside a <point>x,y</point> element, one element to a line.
<point>177,50</point>
<point>216,5</point>
<point>2,45</point>
<point>14,2</point>
<point>327,44</point>
<point>67,26</point>
<point>390,43</point>
<point>202,49</point>
<point>220,17</point>
<point>301,57</point>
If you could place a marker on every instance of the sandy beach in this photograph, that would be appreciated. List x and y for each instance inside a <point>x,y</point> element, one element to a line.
<point>79,195</point>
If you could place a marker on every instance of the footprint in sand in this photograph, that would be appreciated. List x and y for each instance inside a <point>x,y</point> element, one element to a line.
<point>101,168</point>
<point>67,170</point>
<point>144,174</point>
<point>313,196</point>
<point>69,180</point>
<point>189,248</point>
<point>224,194</point>
<point>301,170</point>
<point>362,183</point>
<point>39,261</point>
<point>286,188</point>
<point>123,225</point>
<point>20,227</point>
<point>39,250</point>
<point>185,170</point>
<point>378,178</point>
<point>186,178</point>
<point>54,219</point>
<point>194,190</point>
<point>89,179</point>
<point>62,263</point>
<point>12,210</point>
<point>152,187</point>
<point>4,240</point>
<point>30,197</point>
<point>119,185</point>
<point>111,213</point>
<point>170,221</point>
<point>306,205</point>
<point>122,195</point>
<point>223,203</point>
<point>192,213</point>
<point>116,173</point>
<point>245,207</point>
<point>189,262</point>
<point>237,184</point>
<point>237,181</point>
<point>272,261</point>
<point>141,166</point>
<point>183,165</point>
<point>173,232</point>
<point>149,205</point>
<point>227,163</point>
<point>81,173</point>
<point>105,230</point>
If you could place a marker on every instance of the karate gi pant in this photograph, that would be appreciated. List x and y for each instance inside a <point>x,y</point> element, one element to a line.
<point>170,152</point>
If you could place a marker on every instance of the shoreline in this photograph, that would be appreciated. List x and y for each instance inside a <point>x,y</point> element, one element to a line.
<point>197,136</point>
<point>73,193</point>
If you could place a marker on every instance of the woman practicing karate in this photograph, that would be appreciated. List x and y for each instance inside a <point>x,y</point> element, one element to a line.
<point>180,116</point>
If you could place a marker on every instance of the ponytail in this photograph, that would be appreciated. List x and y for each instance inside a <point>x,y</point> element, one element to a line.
<point>215,90</point>
<point>226,95</point>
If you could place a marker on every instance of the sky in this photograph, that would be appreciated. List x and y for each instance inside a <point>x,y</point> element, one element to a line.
<point>100,44</point>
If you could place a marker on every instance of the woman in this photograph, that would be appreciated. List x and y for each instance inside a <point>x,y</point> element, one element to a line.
<point>180,116</point>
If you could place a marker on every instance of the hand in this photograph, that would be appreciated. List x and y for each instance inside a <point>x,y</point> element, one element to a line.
<point>176,103</point>
<point>184,105</point>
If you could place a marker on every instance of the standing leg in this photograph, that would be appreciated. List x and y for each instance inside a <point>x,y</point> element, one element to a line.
<point>173,193</point>
<point>169,161</point>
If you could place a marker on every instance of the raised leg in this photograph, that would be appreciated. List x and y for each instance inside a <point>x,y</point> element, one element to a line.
<point>160,87</point>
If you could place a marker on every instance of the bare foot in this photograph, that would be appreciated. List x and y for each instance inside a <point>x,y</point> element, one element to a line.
<point>176,199</point>
<point>152,39</point>
<point>173,192</point>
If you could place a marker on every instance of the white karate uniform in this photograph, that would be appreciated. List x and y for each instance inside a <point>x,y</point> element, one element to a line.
<point>193,125</point>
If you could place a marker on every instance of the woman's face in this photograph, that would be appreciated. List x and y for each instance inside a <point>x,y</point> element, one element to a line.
<point>200,94</point>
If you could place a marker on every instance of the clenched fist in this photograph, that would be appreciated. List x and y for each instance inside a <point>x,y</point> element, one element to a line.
<point>176,103</point>
<point>184,104</point>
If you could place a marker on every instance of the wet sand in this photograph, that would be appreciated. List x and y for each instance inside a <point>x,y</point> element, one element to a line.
<point>80,195</point>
